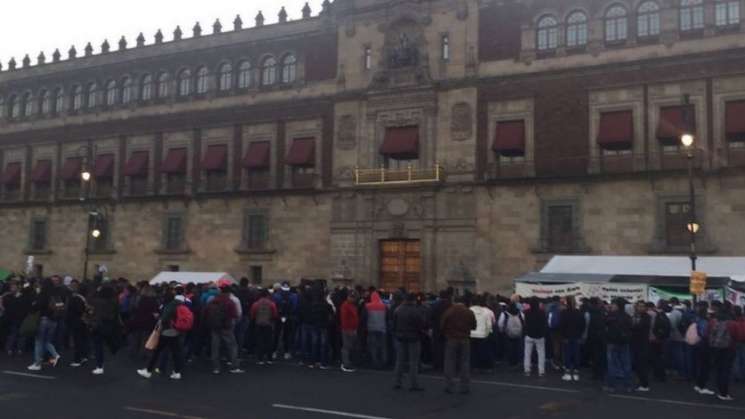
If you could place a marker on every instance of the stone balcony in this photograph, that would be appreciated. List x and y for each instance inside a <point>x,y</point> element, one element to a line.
<point>409,175</point>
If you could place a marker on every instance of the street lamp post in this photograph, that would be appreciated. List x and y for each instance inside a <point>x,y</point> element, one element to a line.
<point>688,141</point>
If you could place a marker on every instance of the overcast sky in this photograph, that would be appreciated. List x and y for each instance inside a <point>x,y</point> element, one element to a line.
<point>32,26</point>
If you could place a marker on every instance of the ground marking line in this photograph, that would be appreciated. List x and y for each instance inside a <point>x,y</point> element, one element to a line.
<point>160,413</point>
<point>25,374</point>
<point>692,404</point>
<point>328,412</point>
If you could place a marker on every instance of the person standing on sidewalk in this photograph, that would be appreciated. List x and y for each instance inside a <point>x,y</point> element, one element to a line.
<point>376,320</point>
<point>571,328</point>
<point>221,316</point>
<point>536,329</point>
<point>409,324</point>
<point>456,325</point>
<point>618,337</point>
<point>169,339</point>
<point>51,308</point>
<point>640,345</point>
<point>264,314</point>
<point>350,321</point>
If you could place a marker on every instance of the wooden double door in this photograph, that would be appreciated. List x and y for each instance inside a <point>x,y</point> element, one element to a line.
<point>400,265</point>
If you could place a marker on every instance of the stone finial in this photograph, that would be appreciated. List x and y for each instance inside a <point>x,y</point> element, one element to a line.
<point>259,19</point>
<point>282,15</point>
<point>306,11</point>
<point>159,37</point>
<point>325,6</point>
<point>122,43</point>
<point>105,47</point>
<point>1,66</point>
<point>12,64</point>
<point>26,61</point>
<point>41,59</point>
<point>88,50</point>
<point>56,56</point>
<point>72,53</point>
<point>177,34</point>
<point>197,30</point>
<point>217,26</point>
<point>140,40</point>
<point>238,23</point>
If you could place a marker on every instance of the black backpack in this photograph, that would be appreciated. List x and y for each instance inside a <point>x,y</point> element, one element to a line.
<point>56,307</point>
<point>215,315</point>
<point>662,327</point>
<point>285,304</point>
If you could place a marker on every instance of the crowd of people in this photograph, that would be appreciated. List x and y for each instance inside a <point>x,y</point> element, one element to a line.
<point>168,326</point>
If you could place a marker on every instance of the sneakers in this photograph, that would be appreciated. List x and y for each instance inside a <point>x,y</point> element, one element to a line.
<point>288,356</point>
<point>175,376</point>
<point>575,377</point>
<point>269,362</point>
<point>527,373</point>
<point>216,372</point>
<point>98,371</point>
<point>79,364</point>
<point>726,398</point>
<point>53,362</point>
<point>642,389</point>
<point>703,391</point>
<point>237,371</point>
<point>345,369</point>
<point>541,375</point>
<point>311,366</point>
<point>261,363</point>
<point>567,377</point>
<point>144,373</point>
<point>34,367</point>
<point>322,367</point>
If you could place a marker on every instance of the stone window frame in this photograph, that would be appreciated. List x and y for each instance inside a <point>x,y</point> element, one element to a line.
<point>182,245</point>
<point>413,116</point>
<point>11,157</point>
<point>131,148</point>
<point>580,27</point>
<point>100,148</point>
<point>245,243</point>
<point>633,102</point>
<point>206,143</point>
<point>288,71</point>
<point>76,98</point>
<point>619,23</point>
<point>225,79</point>
<point>111,97</point>
<point>577,225</point>
<point>59,101</point>
<point>251,72</point>
<point>246,142</point>
<point>202,81</point>
<point>551,31</point>
<point>126,87</point>
<point>184,139</point>
<point>28,105</point>
<point>659,240</point>
<point>727,6</point>
<point>45,102</point>
<point>31,247</point>
<point>719,102</point>
<point>265,71</point>
<point>35,159</point>
<point>162,88</point>
<point>92,99</point>
<point>291,135</point>
<point>184,83</point>
<point>512,110</point>
<point>692,8</point>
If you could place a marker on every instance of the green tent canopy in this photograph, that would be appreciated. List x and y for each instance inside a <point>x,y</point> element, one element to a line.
<point>4,274</point>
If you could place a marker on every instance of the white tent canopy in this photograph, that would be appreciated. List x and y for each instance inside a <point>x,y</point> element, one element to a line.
<point>191,277</point>
<point>732,267</point>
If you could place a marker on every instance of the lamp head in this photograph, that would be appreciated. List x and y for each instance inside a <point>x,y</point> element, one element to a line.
<point>96,233</point>
<point>687,140</point>
<point>693,227</point>
<point>85,175</point>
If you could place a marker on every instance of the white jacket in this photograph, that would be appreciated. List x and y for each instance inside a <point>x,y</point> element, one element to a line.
<point>484,322</point>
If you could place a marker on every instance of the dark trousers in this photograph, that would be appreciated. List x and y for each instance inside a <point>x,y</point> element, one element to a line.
<point>264,341</point>
<point>80,340</point>
<point>457,359</point>
<point>723,364</point>
<point>571,355</point>
<point>376,345</point>
<point>640,362</point>
<point>227,337</point>
<point>659,363</point>
<point>408,352</point>
<point>174,344</point>
<point>598,357</point>
<point>703,364</point>
<point>481,353</point>
<point>438,351</point>
<point>285,331</point>
<point>513,350</point>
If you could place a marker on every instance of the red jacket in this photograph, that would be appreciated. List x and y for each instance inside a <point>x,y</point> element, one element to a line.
<point>350,318</point>
<point>257,304</point>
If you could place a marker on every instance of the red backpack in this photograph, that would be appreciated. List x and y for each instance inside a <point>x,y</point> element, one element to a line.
<point>184,319</point>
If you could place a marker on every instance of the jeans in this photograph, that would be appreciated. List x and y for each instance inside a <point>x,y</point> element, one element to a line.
<point>408,352</point>
<point>640,355</point>
<point>174,344</point>
<point>44,337</point>
<point>284,330</point>
<point>571,355</point>
<point>703,364</point>
<point>457,358</point>
<point>619,366</point>
<point>513,350</point>
<point>376,345</point>
<point>264,342</point>
<point>481,353</point>
<point>723,359</point>
<point>657,358</point>
<point>228,337</point>
<point>13,341</point>
<point>318,342</point>
<point>98,349</point>
<point>598,357</point>
<point>241,329</point>
<point>349,340</point>
<point>540,347</point>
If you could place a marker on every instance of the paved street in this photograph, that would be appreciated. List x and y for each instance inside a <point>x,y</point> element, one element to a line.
<point>287,391</point>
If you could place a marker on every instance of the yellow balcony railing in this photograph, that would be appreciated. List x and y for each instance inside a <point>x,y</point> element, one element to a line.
<point>385,176</point>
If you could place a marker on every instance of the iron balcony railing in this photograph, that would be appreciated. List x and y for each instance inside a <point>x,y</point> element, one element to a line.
<point>383,176</point>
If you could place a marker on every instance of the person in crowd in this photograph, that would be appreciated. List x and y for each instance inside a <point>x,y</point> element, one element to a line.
<point>698,337</point>
<point>511,326</point>
<point>77,309</point>
<point>456,325</point>
<point>264,314</point>
<point>618,334</point>
<point>221,314</point>
<point>658,338</point>
<point>438,308</point>
<point>15,308</point>
<point>105,324</point>
<point>376,320</point>
<point>554,309</point>
<point>142,321</point>
<point>571,328</point>
<point>481,349</point>
<point>641,330</point>
<point>286,302</point>
<point>739,327</point>
<point>596,339</point>
<point>169,339</point>
<point>349,320</point>
<point>51,308</point>
<point>409,324</point>
<point>247,296</point>
<point>320,316</point>
<point>536,329</point>
<point>675,346</point>
<point>722,333</point>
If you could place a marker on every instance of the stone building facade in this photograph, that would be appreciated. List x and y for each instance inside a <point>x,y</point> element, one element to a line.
<point>388,142</point>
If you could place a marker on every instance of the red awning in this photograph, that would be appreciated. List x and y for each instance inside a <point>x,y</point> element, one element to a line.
<point>302,152</point>
<point>104,166</point>
<point>12,174</point>
<point>509,140</point>
<point>216,158</point>
<point>616,130</point>
<point>401,143</point>
<point>137,164</point>
<point>257,156</point>
<point>175,161</point>
<point>735,121</point>
<point>673,123</point>
<point>71,169</point>
<point>42,173</point>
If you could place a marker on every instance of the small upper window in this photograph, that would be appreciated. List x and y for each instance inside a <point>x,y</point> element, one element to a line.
<point>691,15</point>
<point>28,105</point>
<point>202,80</point>
<point>126,91</point>
<point>548,33</point>
<point>14,107</point>
<point>616,24</point>
<point>184,83</point>
<point>368,58</point>
<point>225,81</point>
<point>577,30</point>
<point>728,13</point>
<point>111,93</point>
<point>59,101</point>
<point>46,102</point>
<point>648,19</point>
<point>445,47</point>
<point>163,85</point>
<point>244,75</point>
<point>146,89</point>
<point>269,71</point>
<point>289,68</point>
<point>92,96</point>
<point>77,98</point>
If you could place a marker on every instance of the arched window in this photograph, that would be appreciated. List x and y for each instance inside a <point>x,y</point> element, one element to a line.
<point>77,97</point>
<point>244,75</point>
<point>648,19</point>
<point>146,87</point>
<point>269,71</point>
<point>46,102</point>
<point>728,13</point>
<point>111,93</point>
<point>163,85</point>
<point>28,105</point>
<point>92,96</point>
<point>616,24</point>
<point>126,91</point>
<point>184,83</point>
<point>225,77</point>
<point>15,107</point>
<point>548,33</point>
<point>691,15</point>
<point>202,80</point>
<point>3,115</point>
<point>289,68</point>
<point>59,101</point>
<point>577,30</point>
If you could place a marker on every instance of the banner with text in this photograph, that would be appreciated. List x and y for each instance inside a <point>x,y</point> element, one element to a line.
<point>736,297</point>
<point>607,292</point>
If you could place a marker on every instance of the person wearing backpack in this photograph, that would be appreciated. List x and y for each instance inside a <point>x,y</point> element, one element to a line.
<point>50,308</point>
<point>105,325</point>
<point>169,338</point>
<point>722,332</point>
<point>618,338</point>
<point>286,302</point>
<point>697,336</point>
<point>571,328</point>
<point>221,314</point>
<point>659,335</point>
<point>264,315</point>
<point>640,344</point>
<point>536,329</point>
<point>511,326</point>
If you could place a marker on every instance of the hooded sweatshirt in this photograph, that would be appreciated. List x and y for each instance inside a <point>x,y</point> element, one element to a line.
<point>484,322</point>
<point>376,314</point>
<point>350,320</point>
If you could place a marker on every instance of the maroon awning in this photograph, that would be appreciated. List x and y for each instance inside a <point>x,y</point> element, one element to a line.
<point>509,140</point>
<point>42,172</point>
<point>616,130</point>
<point>302,152</point>
<point>12,174</point>
<point>674,122</point>
<point>401,143</point>
<point>175,161</point>
<point>104,166</point>
<point>216,158</point>
<point>71,169</point>
<point>137,164</point>
<point>257,156</point>
<point>735,120</point>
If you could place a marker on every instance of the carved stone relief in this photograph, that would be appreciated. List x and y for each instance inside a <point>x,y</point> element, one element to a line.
<point>346,137</point>
<point>461,122</point>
